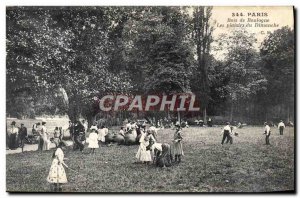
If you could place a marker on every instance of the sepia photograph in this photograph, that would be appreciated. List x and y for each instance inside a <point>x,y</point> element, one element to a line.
<point>150,99</point>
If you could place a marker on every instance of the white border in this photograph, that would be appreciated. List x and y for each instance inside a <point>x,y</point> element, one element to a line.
<point>5,3</point>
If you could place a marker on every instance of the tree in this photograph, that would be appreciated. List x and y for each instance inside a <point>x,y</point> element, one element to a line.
<point>241,67</point>
<point>202,35</point>
<point>60,48</point>
<point>277,53</point>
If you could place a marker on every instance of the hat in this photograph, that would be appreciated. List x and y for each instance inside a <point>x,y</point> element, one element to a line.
<point>94,128</point>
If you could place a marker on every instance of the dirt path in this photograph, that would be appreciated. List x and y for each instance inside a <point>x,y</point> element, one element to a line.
<point>33,147</point>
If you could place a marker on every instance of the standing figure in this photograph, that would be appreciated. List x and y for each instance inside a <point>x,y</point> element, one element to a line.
<point>79,136</point>
<point>56,138</point>
<point>85,125</point>
<point>153,131</point>
<point>209,122</point>
<point>57,175</point>
<point>13,136</point>
<point>281,127</point>
<point>177,150</point>
<point>22,136</point>
<point>45,137</point>
<point>267,133</point>
<point>143,155</point>
<point>40,136</point>
<point>101,135</point>
<point>133,129</point>
<point>93,139</point>
<point>226,132</point>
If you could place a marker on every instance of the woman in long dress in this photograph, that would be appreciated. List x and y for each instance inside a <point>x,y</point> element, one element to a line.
<point>93,139</point>
<point>57,175</point>
<point>177,150</point>
<point>143,155</point>
<point>13,136</point>
<point>45,137</point>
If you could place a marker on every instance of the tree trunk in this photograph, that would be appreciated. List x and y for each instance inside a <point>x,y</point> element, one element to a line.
<point>204,116</point>
<point>178,116</point>
<point>288,113</point>
<point>231,112</point>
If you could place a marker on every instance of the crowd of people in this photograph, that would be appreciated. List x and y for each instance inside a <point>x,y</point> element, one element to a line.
<point>150,150</point>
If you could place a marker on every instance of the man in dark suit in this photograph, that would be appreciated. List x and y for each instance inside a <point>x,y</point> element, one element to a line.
<point>22,136</point>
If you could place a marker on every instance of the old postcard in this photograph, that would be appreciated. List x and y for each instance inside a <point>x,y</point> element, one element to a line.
<point>187,99</point>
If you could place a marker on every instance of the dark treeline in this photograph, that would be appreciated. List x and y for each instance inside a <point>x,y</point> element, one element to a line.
<point>59,58</point>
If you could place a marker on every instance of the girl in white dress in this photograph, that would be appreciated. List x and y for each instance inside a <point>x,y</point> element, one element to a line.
<point>143,155</point>
<point>93,139</point>
<point>57,174</point>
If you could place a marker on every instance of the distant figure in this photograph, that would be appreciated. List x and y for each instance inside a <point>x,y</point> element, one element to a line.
<point>201,123</point>
<point>101,135</point>
<point>93,139</point>
<point>177,150</point>
<point>121,132</point>
<point>13,136</point>
<point>226,132</point>
<point>153,131</point>
<point>209,122</point>
<point>22,136</point>
<point>56,135</point>
<point>57,174</point>
<point>79,136</point>
<point>45,137</point>
<point>281,127</point>
<point>128,127</point>
<point>85,125</point>
<point>239,125</point>
<point>133,129</point>
<point>290,123</point>
<point>35,128</point>
<point>267,133</point>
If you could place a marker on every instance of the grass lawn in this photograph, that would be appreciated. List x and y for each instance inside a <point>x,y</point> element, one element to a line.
<point>245,166</point>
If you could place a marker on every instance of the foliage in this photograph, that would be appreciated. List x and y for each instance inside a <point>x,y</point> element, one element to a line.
<point>277,53</point>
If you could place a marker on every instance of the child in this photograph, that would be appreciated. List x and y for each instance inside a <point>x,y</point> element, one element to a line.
<point>93,139</point>
<point>57,174</point>
<point>177,145</point>
<point>101,135</point>
<point>143,155</point>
